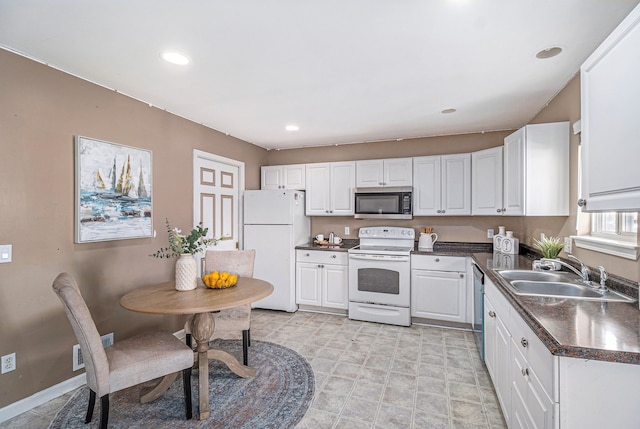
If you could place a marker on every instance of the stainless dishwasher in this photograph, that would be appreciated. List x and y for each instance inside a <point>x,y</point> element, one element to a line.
<point>478,309</point>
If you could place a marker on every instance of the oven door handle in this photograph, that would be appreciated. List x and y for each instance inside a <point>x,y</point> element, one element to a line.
<point>388,258</point>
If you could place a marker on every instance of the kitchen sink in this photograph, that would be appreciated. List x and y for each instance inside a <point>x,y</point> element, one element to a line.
<point>557,284</point>
<point>554,289</point>
<point>540,276</point>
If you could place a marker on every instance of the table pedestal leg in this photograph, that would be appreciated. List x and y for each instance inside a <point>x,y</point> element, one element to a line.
<point>152,393</point>
<point>202,327</point>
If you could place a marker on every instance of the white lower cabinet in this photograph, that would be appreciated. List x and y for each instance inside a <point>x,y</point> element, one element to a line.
<point>520,366</point>
<point>537,390</point>
<point>322,279</point>
<point>439,288</point>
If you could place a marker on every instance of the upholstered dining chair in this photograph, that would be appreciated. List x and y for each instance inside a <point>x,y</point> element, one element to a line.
<point>126,363</point>
<point>231,321</point>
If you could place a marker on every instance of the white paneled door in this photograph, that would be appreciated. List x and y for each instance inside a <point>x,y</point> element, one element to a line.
<point>217,185</point>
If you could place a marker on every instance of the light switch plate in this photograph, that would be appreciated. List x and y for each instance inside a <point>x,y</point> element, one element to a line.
<point>567,245</point>
<point>5,253</point>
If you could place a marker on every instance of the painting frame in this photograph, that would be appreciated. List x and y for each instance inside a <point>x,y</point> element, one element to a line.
<point>117,205</point>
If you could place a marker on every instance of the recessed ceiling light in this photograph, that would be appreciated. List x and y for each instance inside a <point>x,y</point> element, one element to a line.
<point>175,58</point>
<point>446,111</point>
<point>549,52</point>
<point>292,127</point>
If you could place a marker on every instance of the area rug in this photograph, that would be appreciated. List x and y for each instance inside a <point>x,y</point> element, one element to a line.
<point>277,397</point>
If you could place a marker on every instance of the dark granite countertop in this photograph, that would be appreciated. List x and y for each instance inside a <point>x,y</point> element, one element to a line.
<point>343,247</point>
<point>606,331</point>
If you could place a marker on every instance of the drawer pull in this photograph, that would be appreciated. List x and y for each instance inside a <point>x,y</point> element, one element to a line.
<point>524,342</point>
<point>437,259</point>
<point>306,254</point>
<point>334,256</point>
<point>525,372</point>
<point>492,314</point>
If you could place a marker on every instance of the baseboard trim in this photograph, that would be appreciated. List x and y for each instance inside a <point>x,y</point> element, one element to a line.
<point>39,398</point>
<point>43,396</point>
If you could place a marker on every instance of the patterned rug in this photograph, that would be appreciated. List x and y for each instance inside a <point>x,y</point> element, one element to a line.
<point>277,397</point>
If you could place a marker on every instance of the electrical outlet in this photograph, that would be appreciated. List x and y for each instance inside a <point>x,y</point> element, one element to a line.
<point>8,363</point>
<point>5,253</point>
<point>567,245</point>
<point>347,230</point>
<point>490,233</point>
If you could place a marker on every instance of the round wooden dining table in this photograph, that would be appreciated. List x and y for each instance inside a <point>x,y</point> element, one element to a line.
<point>163,298</point>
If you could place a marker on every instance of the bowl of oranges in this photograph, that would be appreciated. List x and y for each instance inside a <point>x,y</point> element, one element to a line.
<point>219,280</point>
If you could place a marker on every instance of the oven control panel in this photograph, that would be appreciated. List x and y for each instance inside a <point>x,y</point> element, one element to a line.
<point>389,232</point>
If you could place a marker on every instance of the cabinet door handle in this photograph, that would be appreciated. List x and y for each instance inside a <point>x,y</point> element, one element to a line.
<point>320,266</point>
<point>443,211</point>
<point>492,314</point>
<point>499,210</point>
<point>525,372</point>
<point>306,254</point>
<point>524,342</point>
<point>461,275</point>
<point>437,259</point>
<point>334,256</point>
<point>582,202</point>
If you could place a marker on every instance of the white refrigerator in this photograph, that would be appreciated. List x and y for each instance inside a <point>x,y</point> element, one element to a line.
<point>274,224</point>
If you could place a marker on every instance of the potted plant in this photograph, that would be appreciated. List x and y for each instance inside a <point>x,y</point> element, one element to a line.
<point>185,247</point>
<point>550,247</point>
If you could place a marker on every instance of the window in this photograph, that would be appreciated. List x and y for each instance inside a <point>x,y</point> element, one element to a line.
<point>615,226</point>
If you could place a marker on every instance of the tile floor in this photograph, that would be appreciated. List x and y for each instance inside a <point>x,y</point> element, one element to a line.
<point>370,375</point>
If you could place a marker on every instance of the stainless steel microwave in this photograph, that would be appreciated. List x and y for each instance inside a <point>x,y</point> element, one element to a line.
<point>383,203</point>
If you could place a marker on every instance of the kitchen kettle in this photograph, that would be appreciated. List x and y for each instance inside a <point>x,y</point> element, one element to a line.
<point>426,241</point>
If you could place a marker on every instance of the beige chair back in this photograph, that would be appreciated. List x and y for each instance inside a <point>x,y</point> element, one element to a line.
<point>238,262</point>
<point>93,354</point>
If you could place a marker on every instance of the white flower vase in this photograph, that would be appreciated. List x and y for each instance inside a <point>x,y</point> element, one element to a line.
<point>186,272</point>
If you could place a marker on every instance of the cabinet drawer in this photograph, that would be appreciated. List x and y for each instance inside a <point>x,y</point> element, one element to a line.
<point>500,304</point>
<point>322,257</point>
<point>537,355</point>
<point>438,263</point>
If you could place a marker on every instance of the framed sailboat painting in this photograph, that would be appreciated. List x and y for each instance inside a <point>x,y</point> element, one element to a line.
<point>113,191</point>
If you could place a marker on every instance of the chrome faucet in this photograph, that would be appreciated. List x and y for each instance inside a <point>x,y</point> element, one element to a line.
<point>583,273</point>
<point>603,280</point>
<point>584,270</point>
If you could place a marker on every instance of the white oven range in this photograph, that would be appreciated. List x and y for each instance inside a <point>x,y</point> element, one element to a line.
<point>380,275</point>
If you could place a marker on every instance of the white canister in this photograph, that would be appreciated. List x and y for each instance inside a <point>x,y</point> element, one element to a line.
<point>497,242</point>
<point>510,245</point>
<point>501,230</point>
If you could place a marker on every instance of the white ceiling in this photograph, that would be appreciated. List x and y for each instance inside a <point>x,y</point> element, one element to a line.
<point>344,71</point>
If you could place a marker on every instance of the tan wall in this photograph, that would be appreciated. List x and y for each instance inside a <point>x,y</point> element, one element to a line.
<point>41,110</point>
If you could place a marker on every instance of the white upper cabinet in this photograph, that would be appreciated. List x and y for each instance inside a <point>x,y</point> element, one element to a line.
<point>486,182</point>
<point>536,171</point>
<point>610,126</point>
<point>283,177</point>
<point>442,185</point>
<point>330,188</point>
<point>384,172</point>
